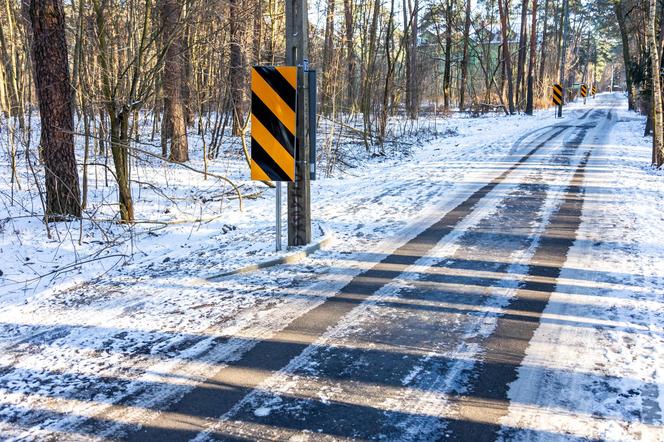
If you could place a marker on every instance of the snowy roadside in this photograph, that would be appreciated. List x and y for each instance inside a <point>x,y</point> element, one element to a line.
<point>608,307</point>
<point>151,329</point>
<point>198,234</point>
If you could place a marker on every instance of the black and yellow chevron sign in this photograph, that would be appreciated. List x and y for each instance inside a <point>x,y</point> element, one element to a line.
<point>584,90</point>
<point>557,94</point>
<point>593,90</point>
<point>273,122</point>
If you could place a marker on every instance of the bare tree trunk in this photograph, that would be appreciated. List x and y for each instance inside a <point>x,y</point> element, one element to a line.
<point>521,61</point>
<point>258,32</point>
<point>367,89</point>
<point>328,47</point>
<point>503,7</point>
<point>631,89</point>
<point>545,35</point>
<point>236,69</point>
<point>533,59</point>
<point>174,123</point>
<point>120,150</point>
<point>415,71</point>
<point>187,73</point>
<point>447,72</point>
<point>118,117</point>
<point>657,112</point>
<point>464,61</point>
<point>387,89</point>
<point>49,54</point>
<point>410,37</point>
<point>661,49</point>
<point>350,56</point>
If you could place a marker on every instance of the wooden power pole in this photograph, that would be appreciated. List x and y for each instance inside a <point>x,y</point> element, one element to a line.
<point>297,46</point>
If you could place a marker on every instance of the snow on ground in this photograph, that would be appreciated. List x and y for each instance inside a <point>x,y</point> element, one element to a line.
<point>141,317</point>
<point>198,221</point>
<point>608,307</point>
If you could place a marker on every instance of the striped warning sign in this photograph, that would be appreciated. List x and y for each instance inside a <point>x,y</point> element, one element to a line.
<point>584,90</point>
<point>593,90</point>
<point>557,94</point>
<point>273,120</point>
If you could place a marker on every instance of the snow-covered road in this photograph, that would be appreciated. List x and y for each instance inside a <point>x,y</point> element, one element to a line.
<point>523,301</point>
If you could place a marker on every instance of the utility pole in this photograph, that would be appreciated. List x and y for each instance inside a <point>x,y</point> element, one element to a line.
<point>297,47</point>
<point>565,24</point>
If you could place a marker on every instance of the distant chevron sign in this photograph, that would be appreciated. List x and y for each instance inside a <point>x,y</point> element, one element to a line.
<point>557,94</point>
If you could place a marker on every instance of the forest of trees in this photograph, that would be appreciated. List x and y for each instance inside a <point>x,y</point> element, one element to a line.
<point>182,66</point>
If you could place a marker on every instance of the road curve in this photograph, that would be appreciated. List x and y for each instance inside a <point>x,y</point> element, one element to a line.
<point>425,344</point>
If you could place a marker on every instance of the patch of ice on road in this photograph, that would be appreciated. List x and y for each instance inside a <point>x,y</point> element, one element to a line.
<point>262,411</point>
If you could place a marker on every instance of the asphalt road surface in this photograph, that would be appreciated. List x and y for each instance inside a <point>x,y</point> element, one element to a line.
<point>425,344</point>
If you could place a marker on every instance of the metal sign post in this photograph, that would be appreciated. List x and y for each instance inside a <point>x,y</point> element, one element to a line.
<point>278,216</point>
<point>312,124</point>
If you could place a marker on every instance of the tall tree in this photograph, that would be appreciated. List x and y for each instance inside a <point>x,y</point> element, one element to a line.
<point>533,59</point>
<point>503,8</point>
<point>464,60</point>
<point>543,44</point>
<point>174,126</point>
<point>328,48</point>
<point>350,55</point>
<point>447,72</point>
<point>410,18</point>
<point>390,58</point>
<point>51,74</point>
<point>521,59</point>
<point>370,75</point>
<point>236,72</point>
<point>627,57</point>
<point>657,112</point>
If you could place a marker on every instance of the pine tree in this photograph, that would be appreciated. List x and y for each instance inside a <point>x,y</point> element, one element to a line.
<point>51,74</point>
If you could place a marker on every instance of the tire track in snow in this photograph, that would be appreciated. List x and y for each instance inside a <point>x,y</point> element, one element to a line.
<point>505,349</point>
<point>269,356</point>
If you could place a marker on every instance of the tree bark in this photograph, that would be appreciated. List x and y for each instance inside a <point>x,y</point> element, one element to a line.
<point>51,69</point>
<point>503,7</point>
<point>543,52</point>
<point>350,55</point>
<point>387,86</point>
<point>328,48</point>
<point>118,116</point>
<point>410,13</point>
<point>258,32</point>
<point>174,124</point>
<point>237,77</point>
<point>447,73</point>
<point>187,69</point>
<point>464,61</point>
<point>627,57</point>
<point>533,59</point>
<point>521,61</point>
<point>657,112</point>
<point>369,78</point>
